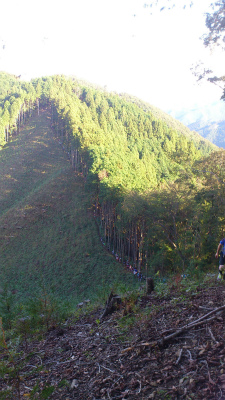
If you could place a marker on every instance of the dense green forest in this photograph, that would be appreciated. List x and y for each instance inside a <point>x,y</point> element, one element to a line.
<point>156,189</point>
<point>16,104</point>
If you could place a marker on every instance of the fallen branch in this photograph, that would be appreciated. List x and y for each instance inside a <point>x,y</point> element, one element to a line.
<point>210,313</point>
<point>198,322</point>
<point>183,329</point>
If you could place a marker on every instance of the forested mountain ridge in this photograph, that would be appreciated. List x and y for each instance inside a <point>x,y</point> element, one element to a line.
<point>173,123</point>
<point>170,121</point>
<point>11,88</point>
<point>144,134</point>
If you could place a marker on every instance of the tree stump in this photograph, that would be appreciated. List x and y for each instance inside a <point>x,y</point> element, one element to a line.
<point>149,285</point>
<point>111,304</point>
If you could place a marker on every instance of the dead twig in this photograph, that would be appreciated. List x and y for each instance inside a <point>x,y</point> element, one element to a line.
<point>180,354</point>
<point>102,366</point>
<point>205,308</point>
<point>212,336</point>
<point>108,369</point>
<point>139,390</point>
<point>190,356</point>
<point>121,377</point>
<point>167,331</point>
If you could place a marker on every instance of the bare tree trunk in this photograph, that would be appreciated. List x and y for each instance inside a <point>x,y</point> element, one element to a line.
<point>140,248</point>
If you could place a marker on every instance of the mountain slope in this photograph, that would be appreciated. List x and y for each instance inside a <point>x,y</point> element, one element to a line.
<point>179,124</point>
<point>48,236</point>
<point>140,175</point>
<point>135,168</point>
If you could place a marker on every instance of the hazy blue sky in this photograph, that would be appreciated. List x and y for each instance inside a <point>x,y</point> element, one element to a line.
<point>117,43</point>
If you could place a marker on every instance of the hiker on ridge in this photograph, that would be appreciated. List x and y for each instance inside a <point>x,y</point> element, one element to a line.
<point>221,247</point>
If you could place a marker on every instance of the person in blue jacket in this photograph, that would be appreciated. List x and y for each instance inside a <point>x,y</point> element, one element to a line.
<point>221,255</point>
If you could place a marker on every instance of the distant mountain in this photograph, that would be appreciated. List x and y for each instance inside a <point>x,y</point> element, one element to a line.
<point>213,131</point>
<point>207,120</point>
